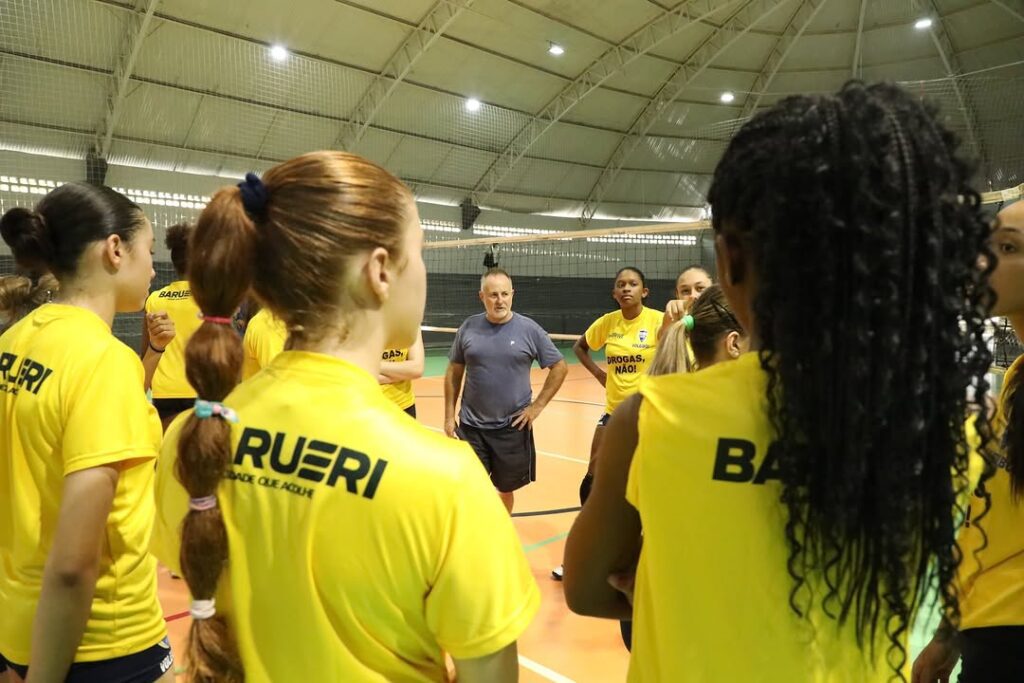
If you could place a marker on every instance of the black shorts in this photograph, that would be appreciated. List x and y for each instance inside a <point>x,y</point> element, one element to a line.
<point>508,454</point>
<point>172,407</point>
<point>603,422</point>
<point>993,653</point>
<point>142,667</point>
<point>411,411</point>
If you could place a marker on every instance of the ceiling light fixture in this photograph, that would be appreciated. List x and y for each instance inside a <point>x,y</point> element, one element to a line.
<point>472,104</point>
<point>556,50</point>
<point>922,24</point>
<point>278,53</point>
<point>727,97</point>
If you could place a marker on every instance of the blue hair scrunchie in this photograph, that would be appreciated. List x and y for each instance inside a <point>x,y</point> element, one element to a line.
<point>254,195</point>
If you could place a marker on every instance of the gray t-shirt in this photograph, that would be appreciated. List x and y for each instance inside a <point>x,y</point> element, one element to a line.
<point>498,360</point>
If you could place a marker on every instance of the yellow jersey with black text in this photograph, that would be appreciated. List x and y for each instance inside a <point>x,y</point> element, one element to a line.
<point>169,380</point>
<point>991,574</point>
<point>399,393</point>
<point>265,337</point>
<point>352,556</point>
<point>73,399</point>
<point>712,600</point>
<point>629,348</point>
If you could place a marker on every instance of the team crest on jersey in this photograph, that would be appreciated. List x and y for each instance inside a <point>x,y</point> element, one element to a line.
<point>642,336</point>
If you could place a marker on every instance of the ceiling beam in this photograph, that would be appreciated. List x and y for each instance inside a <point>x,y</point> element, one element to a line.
<point>1014,7</point>
<point>611,63</point>
<point>857,67</point>
<point>437,20</point>
<point>738,24</point>
<point>798,23</point>
<point>135,33</point>
<point>951,63</point>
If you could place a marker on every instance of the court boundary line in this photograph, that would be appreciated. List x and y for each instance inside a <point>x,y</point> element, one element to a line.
<point>541,513</point>
<point>543,671</point>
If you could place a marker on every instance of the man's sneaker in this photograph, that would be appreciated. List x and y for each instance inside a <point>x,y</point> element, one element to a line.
<point>556,573</point>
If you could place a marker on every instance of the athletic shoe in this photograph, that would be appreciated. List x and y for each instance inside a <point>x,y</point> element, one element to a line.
<point>556,573</point>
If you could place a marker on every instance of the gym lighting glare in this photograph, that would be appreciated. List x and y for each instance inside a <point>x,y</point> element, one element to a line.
<point>278,53</point>
<point>556,50</point>
<point>727,97</point>
<point>472,104</point>
<point>922,24</point>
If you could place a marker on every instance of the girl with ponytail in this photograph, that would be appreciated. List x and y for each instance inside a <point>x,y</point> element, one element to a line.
<point>323,534</point>
<point>814,481</point>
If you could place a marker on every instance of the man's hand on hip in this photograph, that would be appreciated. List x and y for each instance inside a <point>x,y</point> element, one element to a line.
<point>524,419</point>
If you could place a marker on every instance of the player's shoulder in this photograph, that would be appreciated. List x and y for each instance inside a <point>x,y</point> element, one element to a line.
<point>529,323</point>
<point>433,457</point>
<point>152,298</point>
<point>610,318</point>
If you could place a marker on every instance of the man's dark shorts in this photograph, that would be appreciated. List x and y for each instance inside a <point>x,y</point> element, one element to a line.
<point>508,454</point>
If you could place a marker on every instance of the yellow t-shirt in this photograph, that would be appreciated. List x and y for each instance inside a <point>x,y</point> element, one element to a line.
<point>630,349</point>
<point>169,380</point>
<point>714,544</point>
<point>399,393</point>
<point>353,557</point>
<point>72,399</point>
<point>265,336</point>
<point>992,577</point>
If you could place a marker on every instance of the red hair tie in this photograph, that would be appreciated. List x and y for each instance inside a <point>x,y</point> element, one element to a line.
<point>215,320</point>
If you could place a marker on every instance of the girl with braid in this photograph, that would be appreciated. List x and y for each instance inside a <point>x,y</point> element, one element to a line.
<point>807,489</point>
<point>990,637</point>
<point>318,543</point>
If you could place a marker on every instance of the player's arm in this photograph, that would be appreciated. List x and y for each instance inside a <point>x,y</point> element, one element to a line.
<point>605,539</point>
<point>409,369</point>
<point>674,312</point>
<point>159,333</point>
<point>71,571</point>
<point>582,351</point>
<point>500,667</point>
<point>452,388</point>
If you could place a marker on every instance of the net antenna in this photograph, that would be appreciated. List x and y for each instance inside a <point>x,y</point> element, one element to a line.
<point>491,257</point>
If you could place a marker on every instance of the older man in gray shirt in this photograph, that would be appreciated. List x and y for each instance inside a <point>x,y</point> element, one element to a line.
<point>495,350</point>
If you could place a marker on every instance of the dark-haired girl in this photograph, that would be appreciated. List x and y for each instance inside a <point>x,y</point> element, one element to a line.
<point>172,307</point>
<point>629,336</point>
<point>76,451</point>
<point>990,637</point>
<point>807,489</point>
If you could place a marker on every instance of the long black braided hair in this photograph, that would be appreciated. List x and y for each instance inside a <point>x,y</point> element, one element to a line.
<point>857,216</point>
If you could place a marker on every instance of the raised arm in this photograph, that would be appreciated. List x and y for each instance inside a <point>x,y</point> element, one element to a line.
<point>158,333</point>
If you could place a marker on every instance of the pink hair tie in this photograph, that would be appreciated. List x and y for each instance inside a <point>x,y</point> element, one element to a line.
<point>203,503</point>
<point>216,320</point>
